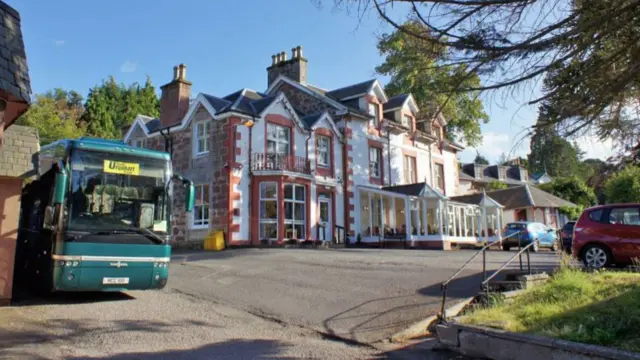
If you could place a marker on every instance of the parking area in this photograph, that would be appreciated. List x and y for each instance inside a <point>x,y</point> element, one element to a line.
<point>252,303</point>
<point>364,295</point>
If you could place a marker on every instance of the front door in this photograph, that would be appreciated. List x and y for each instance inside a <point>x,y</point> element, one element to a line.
<point>325,227</point>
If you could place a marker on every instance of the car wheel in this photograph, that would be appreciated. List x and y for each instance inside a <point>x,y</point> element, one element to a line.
<point>506,247</point>
<point>596,257</point>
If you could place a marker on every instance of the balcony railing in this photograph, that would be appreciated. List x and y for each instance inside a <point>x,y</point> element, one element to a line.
<point>279,162</point>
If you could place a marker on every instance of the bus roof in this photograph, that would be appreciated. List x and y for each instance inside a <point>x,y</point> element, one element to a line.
<point>106,145</point>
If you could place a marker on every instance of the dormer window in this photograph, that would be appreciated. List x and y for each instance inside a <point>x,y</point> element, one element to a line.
<point>406,121</point>
<point>374,109</point>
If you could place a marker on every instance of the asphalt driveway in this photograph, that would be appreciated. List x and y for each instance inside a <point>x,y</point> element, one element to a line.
<point>364,295</point>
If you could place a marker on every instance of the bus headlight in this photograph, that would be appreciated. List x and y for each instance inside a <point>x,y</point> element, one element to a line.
<point>61,262</point>
<point>75,263</point>
<point>68,263</point>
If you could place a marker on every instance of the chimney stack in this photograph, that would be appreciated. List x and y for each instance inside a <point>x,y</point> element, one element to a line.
<point>295,68</point>
<point>174,100</point>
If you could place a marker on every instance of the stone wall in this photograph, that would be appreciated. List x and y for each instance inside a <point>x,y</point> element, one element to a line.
<point>18,157</point>
<point>302,101</point>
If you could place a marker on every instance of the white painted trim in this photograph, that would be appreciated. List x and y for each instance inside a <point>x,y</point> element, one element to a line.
<point>357,96</point>
<point>136,122</point>
<point>281,98</point>
<point>109,258</point>
<point>282,173</point>
<point>332,124</point>
<point>382,94</point>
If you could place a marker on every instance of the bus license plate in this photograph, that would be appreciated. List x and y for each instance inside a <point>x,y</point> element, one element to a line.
<point>115,280</point>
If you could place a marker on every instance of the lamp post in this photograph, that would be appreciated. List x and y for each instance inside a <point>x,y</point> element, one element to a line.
<point>249,124</point>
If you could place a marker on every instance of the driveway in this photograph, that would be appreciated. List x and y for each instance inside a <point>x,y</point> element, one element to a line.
<point>364,295</point>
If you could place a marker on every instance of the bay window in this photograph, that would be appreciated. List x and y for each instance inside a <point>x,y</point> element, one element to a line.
<point>294,211</point>
<point>324,155</point>
<point>201,206</point>
<point>268,210</point>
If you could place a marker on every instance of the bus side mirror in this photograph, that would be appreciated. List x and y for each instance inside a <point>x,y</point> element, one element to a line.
<point>189,197</point>
<point>59,191</point>
<point>189,192</point>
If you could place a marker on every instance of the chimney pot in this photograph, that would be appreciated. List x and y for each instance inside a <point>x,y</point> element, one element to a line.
<point>273,59</point>
<point>175,72</point>
<point>293,53</point>
<point>283,55</point>
<point>299,51</point>
<point>182,72</point>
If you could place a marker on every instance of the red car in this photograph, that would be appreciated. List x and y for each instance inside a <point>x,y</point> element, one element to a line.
<point>607,235</point>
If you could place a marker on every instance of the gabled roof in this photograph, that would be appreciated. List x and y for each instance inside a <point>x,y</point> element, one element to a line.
<point>520,197</point>
<point>421,189</point>
<point>359,89</point>
<point>312,119</point>
<point>480,199</point>
<point>489,173</point>
<point>399,101</point>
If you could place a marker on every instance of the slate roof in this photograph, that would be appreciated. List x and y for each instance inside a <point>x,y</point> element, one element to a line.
<point>489,173</point>
<point>414,189</point>
<point>395,102</point>
<point>14,73</point>
<point>19,152</point>
<point>310,120</point>
<point>351,90</point>
<point>518,197</point>
<point>463,176</point>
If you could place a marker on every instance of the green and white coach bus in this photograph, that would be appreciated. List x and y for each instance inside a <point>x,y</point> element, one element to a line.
<point>97,218</point>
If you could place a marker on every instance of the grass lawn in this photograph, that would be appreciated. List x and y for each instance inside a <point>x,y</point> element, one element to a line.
<point>601,308</point>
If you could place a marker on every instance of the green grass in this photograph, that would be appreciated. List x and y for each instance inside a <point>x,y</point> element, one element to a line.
<point>601,308</point>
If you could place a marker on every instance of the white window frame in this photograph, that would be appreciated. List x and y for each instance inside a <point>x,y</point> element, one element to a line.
<point>323,151</point>
<point>378,173</point>
<point>277,139</point>
<point>406,121</point>
<point>437,184</point>
<point>268,221</point>
<point>205,125</point>
<point>201,222</point>
<point>296,202</point>
<point>374,109</point>
<point>139,143</point>
<point>410,170</point>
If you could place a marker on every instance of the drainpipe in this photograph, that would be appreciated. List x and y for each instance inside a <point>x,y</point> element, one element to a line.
<point>250,180</point>
<point>389,154</point>
<point>168,141</point>
<point>306,148</point>
<point>345,184</point>
<point>430,166</point>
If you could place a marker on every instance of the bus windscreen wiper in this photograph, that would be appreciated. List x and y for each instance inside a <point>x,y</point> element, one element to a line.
<point>130,230</point>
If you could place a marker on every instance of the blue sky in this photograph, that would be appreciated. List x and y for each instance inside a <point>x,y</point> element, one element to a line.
<point>226,45</point>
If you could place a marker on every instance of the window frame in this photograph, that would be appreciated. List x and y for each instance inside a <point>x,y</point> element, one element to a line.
<point>411,160</point>
<point>295,202</point>
<point>206,124</point>
<point>267,220</point>
<point>326,151</point>
<point>623,208</point>
<point>202,223</point>
<point>375,113</point>
<point>379,163</point>
<point>408,119</point>
<point>277,140</point>
<point>439,166</point>
<point>139,143</point>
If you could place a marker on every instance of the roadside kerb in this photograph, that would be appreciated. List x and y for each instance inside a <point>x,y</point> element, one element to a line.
<point>503,345</point>
<point>425,327</point>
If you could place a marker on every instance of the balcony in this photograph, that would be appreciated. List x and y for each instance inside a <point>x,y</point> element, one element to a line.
<point>279,162</point>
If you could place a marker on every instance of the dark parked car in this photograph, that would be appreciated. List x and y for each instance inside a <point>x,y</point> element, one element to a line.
<point>608,235</point>
<point>567,236</point>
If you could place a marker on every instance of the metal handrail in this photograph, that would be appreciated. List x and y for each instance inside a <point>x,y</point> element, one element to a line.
<point>482,251</point>
<point>526,248</point>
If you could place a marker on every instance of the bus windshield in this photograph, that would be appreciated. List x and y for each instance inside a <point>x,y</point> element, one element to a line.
<point>111,192</point>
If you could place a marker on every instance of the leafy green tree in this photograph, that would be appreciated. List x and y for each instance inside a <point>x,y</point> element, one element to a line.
<point>481,160</point>
<point>111,106</point>
<point>56,115</point>
<point>419,68</point>
<point>496,185</point>
<point>552,153</point>
<point>624,186</point>
<point>571,189</point>
<point>596,172</point>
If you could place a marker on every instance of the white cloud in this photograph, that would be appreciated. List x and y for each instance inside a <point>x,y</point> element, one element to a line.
<point>128,66</point>
<point>58,42</point>
<point>494,144</point>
